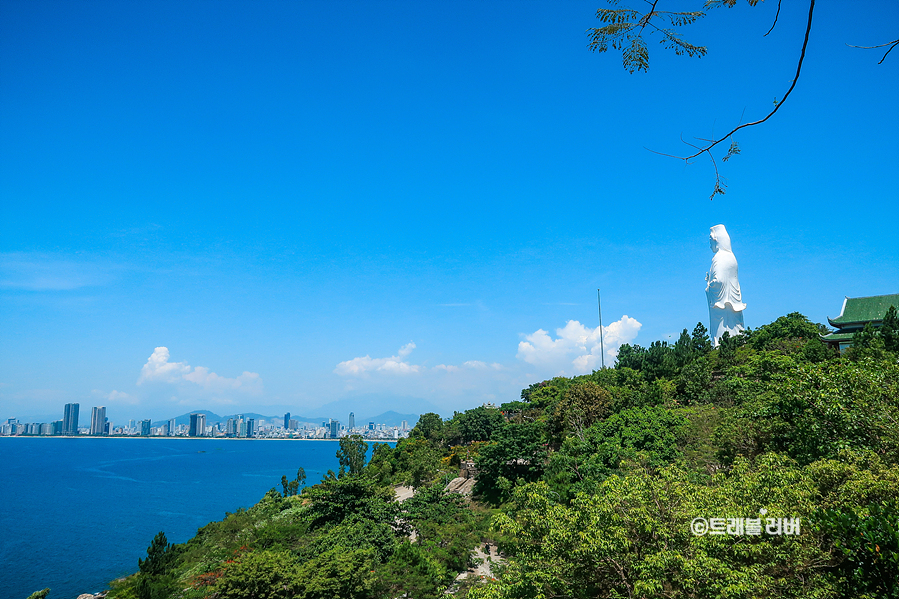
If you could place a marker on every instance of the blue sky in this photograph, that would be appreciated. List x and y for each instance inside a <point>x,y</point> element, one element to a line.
<point>306,202</point>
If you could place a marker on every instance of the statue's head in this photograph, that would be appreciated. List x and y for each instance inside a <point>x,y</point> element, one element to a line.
<point>719,239</point>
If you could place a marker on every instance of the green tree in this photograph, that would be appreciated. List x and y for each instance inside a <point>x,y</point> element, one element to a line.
<point>417,461</point>
<point>347,574</point>
<point>867,548</point>
<point>727,348</point>
<point>651,434</point>
<point>429,426</point>
<point>813,411</point>
<point>683,349</point>
<point>814,350</point>
<point>632,538</point>
<point>291,488</point>
<point>694,382</point>
<point>377,538</point>
<point>336,499</point>
<point>39,594</point>
<point>630,356</point>
<point>793,326</point>
<point>261,575</point>
<point>659,361</point>
<point>383,464</point>
<point>160,555</point>
<point>411,572</point>
<point>156,580</point>
<point>351,455</point>
<point>699,340</point>
<point>478,424</point>
<point>518,451</point>
<point>889,330</point>
<point>582,405</point>
<point>866,343</point>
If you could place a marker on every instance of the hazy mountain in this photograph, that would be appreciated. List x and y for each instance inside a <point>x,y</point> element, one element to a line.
<point>390,418</point>
<point>374,403</point>
<point>212,418</point>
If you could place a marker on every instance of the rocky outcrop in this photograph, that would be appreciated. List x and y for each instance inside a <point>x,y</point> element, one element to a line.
<point>461,485</point>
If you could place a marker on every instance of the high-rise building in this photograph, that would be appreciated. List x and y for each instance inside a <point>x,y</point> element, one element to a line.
<point>251,427</point>
<point>197,425</point>
<point>70,419</point>
<point>173,428</point>
<point>98,420</point>
<point>405,425</point>
<point>371,426</point>
<point>352,422</point>
<point>144,428</point>
<point>287,420</point>
<point>335,426</point>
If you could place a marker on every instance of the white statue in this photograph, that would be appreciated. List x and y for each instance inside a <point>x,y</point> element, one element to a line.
<point>723,289</point>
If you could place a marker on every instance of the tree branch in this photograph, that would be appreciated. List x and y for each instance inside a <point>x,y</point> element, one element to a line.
<point>891,45</point>
<point>775,19</point>
<point>647,16</point>
<point>808,30</point>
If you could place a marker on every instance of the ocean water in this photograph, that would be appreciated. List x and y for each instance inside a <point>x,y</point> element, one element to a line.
<point>77,513</point>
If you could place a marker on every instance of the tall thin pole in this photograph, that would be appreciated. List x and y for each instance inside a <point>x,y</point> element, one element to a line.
<point>602,349</point>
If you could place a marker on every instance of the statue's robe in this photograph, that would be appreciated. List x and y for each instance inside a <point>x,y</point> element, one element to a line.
<point>725,300</point>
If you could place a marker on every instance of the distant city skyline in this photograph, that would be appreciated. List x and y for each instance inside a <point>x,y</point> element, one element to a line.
<point>263,214</point>
<point>238,425</point>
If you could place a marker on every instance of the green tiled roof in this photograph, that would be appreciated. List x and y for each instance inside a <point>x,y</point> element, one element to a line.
<point>865,309</point>
<point>833,337</point>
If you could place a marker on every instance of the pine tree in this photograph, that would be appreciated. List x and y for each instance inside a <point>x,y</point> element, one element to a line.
<point>701,342</point>
<point>889,331</point>
<point>683,349</point>
<point>159,555</point>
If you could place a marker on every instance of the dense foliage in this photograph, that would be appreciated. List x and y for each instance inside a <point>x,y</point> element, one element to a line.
<point>591,485</point>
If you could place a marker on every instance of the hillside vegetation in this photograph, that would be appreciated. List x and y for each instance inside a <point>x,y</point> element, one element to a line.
<point>590,484</point>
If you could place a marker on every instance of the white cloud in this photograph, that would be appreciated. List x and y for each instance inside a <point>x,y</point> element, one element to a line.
<point>359,367</point>
<point>159,369</point>
<point>576,348</point>
<point>478,365</point>
<point>392,365</point>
